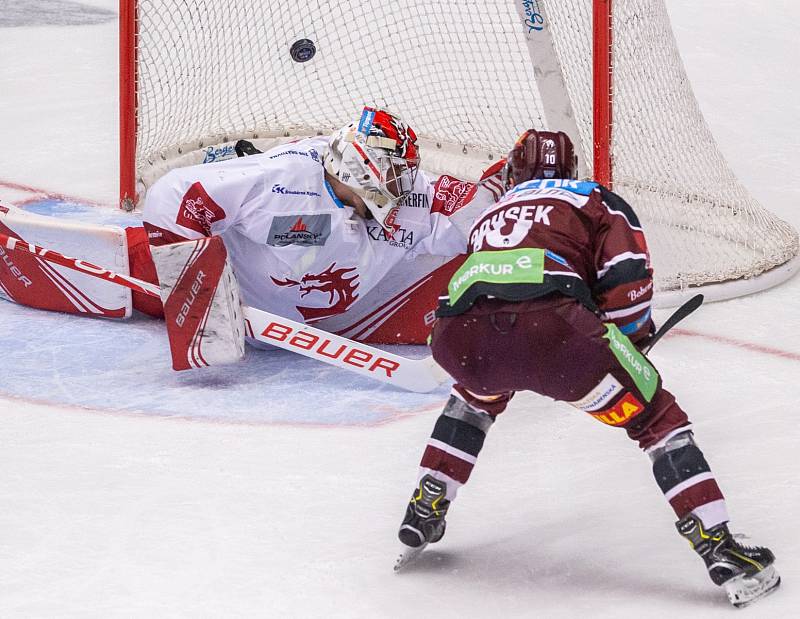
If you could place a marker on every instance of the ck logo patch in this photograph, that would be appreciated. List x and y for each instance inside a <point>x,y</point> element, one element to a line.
<point>198,211</point>
<point>305,230</point>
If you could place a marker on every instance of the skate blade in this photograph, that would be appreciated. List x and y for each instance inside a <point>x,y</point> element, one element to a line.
<point>744,590</point>
<point>408,555</point>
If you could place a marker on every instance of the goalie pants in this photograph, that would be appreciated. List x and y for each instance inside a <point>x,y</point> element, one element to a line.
<point>556,347</point>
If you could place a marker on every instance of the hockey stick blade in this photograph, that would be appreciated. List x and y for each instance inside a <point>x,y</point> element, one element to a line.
<point>679,314</point>
<point>418,375</point>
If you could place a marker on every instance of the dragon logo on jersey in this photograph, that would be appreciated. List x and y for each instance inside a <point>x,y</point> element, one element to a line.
<point>198,211</point>
<point>341,291</point>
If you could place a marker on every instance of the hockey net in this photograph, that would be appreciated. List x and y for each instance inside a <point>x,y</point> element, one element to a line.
<point>469,77</point>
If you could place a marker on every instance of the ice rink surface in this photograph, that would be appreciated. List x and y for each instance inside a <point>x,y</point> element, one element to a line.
<point>275,488</point>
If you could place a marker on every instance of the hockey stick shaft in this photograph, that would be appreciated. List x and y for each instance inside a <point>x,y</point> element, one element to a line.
<point>679,314</point>
<point>420,375</point>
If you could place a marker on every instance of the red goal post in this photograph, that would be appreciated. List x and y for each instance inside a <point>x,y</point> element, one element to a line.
<point>469,77</point>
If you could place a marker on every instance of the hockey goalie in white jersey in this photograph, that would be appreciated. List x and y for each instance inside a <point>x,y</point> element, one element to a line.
<point>344,232</point>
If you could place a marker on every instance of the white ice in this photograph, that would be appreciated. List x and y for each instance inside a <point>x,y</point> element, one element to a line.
<point>275,489</point>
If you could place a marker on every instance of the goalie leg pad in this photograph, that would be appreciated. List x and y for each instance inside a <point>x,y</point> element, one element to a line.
<point>202,307</point>
<point>30,279</point>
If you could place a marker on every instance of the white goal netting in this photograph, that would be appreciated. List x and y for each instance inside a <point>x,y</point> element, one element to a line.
<point>469,77</point>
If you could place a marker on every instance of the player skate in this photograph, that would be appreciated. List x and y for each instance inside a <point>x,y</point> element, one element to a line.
<point>424,521</point>
<point>746,573</point>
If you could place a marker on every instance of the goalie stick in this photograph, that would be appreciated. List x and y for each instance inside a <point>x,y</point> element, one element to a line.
<point>419,375</point>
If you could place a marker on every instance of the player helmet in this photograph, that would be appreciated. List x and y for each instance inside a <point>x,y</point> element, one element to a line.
<point>540,154</point>
<point>378,158</point>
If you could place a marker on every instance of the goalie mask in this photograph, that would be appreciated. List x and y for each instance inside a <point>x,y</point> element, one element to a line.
<point>540,154</point>
<point>378,158</point>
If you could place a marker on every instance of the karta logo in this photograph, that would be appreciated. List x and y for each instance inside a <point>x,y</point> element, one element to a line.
<point>198,211</point>
<point>399,237</point>
<point>341,291</point>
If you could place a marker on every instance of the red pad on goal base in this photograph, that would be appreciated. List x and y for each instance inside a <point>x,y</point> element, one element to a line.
<point>202,308</point>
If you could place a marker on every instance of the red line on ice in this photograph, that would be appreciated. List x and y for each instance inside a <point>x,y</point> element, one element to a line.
<point>721,339</point>
<point>40,194</point>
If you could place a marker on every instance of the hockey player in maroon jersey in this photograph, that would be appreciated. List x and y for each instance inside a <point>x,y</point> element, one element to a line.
<point>554,298</point>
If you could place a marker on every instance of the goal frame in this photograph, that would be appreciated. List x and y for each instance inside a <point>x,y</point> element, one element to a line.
<point>128,103</point>
<point>463,159</point>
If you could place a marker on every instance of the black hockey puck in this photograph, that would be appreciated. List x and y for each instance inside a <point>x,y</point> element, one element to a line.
<point>302,50</point>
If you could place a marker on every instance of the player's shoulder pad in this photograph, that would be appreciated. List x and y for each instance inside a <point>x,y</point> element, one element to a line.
<point>616,203</point>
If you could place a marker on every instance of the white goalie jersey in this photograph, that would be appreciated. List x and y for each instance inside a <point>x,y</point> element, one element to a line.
<point>299,252</point>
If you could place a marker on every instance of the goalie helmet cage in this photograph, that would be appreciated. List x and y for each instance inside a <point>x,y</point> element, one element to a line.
<point>469,77</point>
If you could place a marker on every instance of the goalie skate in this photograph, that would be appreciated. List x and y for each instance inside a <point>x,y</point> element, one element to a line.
<point>744,590</point>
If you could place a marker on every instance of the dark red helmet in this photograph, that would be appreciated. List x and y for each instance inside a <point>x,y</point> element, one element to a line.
<point>540,154</point>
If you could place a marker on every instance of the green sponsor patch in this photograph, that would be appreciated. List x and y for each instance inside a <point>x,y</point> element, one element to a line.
<point>634,362</point>
<point>509,266</point>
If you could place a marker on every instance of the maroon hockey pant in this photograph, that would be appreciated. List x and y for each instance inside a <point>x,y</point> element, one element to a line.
<point>556,347</point>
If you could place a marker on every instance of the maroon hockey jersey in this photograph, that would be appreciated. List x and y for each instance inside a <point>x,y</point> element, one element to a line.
<point>559,236</point>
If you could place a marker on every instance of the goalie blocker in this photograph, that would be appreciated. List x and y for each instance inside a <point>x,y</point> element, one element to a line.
<point>202,306</point>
